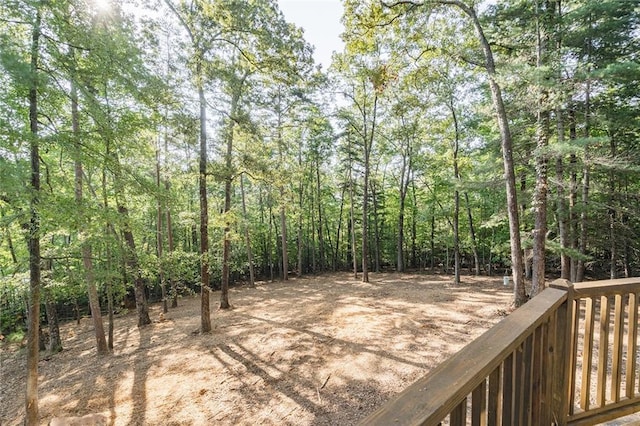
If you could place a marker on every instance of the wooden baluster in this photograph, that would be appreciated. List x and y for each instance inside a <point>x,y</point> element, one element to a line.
<point>563,349</point>
<point>587,355</point>
<point>603,352</point>
<point>459,414</point>
<point>632,345</point>
<point>479,405</point>
<point>573,352</point>
<point>538,382</point>
<point>495,393</point>
<point>507,391</point>
<point>526,375</point>
<point>618,330</point>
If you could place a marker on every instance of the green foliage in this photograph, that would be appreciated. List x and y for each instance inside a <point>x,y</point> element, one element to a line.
<point>299,135</point>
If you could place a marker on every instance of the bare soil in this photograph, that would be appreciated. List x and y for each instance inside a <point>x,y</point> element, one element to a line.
<point>325,350</point>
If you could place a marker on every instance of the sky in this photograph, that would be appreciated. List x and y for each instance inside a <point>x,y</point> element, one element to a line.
<point>320,20</point>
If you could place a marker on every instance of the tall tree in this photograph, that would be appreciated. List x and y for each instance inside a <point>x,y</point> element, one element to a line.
<point>33,333</point>
<point>189,18</point>
<point>506,139</point>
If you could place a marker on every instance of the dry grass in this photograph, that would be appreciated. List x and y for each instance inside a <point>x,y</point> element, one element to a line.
<point>323,350</point>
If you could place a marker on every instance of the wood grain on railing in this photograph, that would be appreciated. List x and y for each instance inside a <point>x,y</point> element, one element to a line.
<point>510,350</point>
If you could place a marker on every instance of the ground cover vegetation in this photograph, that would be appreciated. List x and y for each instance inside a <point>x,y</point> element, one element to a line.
<point>152,151</point>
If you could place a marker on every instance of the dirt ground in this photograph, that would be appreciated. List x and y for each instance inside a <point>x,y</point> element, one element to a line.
<point>325,350</point>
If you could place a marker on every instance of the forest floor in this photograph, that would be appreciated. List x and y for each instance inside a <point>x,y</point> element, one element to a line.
<point>323,350</point>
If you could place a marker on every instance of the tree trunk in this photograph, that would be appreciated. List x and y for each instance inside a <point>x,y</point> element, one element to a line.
<point>400,241</point>
<point>456,197</point>
<point>585,188</point>
<point>338,231</point>
<point>159,237</point>
<point>247,239</point>
<point>561,207</point>
<point>31,394</point>
<point>228,178</point>
<point>283,225</point>
<point>299,237</point>
<point>55,342</point>
<point>573,197</point>
<point>133,265</point>
<point>376,229</point>
<point>269,244</point>
<point>613,249</point>
<point>87,260</point>
<point>472,233</point>
<point>354,256</point>
<point>414,227</point>
<point>433,241</point>
<point>321,253</point>
<point>507,157</point>
<point>368,144</point>
<point>542,140</point>
<point>205,309</point>
<point>405,178</point>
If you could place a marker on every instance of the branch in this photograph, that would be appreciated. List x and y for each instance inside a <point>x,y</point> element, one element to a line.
<point>66,43</point>
<point>398,3</point>
<point>182,21</point>
<point>412,6</point>
<point>11,21</point>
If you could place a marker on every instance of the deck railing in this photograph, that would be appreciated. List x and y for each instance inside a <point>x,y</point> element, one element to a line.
<point>567,357</point>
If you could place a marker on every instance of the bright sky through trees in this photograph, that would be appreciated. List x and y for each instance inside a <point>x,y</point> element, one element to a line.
<point>321,22</point>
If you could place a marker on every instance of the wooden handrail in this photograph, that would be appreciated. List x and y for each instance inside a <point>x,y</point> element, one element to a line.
<point>527,369</point>
<point>442,391</point>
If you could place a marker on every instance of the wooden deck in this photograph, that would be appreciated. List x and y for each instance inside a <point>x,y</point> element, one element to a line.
<point>567,357</point>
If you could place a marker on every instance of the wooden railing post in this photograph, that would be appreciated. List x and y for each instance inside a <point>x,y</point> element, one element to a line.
<point>562,354</point>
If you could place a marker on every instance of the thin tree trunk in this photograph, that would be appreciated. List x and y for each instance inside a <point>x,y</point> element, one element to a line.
<point>283,225</point>
<point>312,232</point>
<point>228,178</point>
<point>561,206</point>
<point>376,228</point>
<point>354,256</point>
<point>507,156</point>
<point>7,233</point>
<point>414,227</point>
<point>400,236</point>
<point>299,236</point>
<point>321,254</point>
<point>405,178</point>
<point>159,237</point>
<point>456,197</point>
<point>338,231</point>
<point>133,264</point>
<point>31,394</point>
<point>205,308</point>
<point>585,189</point>
<point>172,282</point>
<point>540,191</point>
<point>472,233</point>
<point>613,249</point>
<point>247,239</point>
<point>561,209</point>
<point>283,214</point>
<point>368,145</point>
<point>573,197</point>
<point>432,241</point>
